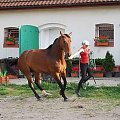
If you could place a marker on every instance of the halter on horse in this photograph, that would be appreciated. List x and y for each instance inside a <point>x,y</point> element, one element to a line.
<point>49,61</point>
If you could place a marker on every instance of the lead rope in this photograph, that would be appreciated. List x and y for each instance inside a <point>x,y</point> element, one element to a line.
<point>92,63</point>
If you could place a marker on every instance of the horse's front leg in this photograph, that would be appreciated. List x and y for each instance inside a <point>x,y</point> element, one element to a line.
<point>57,78</point>
<point>63,75</point>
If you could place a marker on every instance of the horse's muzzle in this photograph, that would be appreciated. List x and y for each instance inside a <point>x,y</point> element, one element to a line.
<point>67,55</point>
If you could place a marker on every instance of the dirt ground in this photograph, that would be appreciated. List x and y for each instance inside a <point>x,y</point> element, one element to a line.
<point>17,108</point>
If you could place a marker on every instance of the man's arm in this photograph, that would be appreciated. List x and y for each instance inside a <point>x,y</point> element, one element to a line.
<point>77,53</point>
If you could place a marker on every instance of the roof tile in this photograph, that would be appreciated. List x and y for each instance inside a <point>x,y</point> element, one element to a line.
<point>4,4</point>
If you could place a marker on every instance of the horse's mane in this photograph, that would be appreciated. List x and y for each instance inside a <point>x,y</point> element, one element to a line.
<point>52,44</point>
<point>56,40</point>
<point>67,35</point>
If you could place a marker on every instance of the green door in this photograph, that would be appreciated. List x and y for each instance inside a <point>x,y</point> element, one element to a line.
<point>28,38</point>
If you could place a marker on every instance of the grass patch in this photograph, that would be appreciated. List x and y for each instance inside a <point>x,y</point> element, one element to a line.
<point>14,90</point>
<point>102,92</point>
<point>90,92</point>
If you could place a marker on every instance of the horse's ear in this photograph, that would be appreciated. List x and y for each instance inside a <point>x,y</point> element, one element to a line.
<point>61,33</point>
<point>70,33</point>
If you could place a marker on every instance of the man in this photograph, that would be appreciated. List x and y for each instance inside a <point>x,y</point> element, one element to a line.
<point>84,67</point>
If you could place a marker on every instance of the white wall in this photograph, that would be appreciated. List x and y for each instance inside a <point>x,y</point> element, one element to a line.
<point>80,21</point>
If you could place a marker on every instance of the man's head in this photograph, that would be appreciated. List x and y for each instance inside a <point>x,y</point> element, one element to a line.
<point>85,43</point>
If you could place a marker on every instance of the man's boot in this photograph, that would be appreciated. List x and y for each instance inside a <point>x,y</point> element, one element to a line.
<point>78,93</point>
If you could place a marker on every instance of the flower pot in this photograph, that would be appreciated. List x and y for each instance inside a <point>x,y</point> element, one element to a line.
<point>98,75</point>
<point>74,74</point>
<point>9,42</point>
<point>108,74</point>
<point>75,68</point>
<point>116,68</point>
<point>4,79</point>
<point>102,43</point>
<point>117,74</point>
<point>12,76</point>
<point>99,68</point>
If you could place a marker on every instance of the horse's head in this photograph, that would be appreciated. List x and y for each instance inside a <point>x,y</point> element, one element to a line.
<point>65,43</point>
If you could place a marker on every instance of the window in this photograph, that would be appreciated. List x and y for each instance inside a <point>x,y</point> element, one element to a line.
<point>11,37</point>
<point>104,34</point>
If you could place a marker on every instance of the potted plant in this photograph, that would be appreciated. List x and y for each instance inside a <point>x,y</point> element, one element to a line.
<point>3,77</point>
<point>98,74</point>
<point>101,41</point>
<point>75,71</point>
<point>99,64</point>
<point>10,40</point>
<point>98,69</point>
<point>75,67</point>
<point>108,64</point>
<point>116,71</point>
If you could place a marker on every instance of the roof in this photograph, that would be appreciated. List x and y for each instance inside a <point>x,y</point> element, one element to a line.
<point>22,4</point>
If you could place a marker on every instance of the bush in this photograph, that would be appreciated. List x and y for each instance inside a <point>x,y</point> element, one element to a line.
<point>99,61</point>
<point>75,61</point>
<point>109,62</point>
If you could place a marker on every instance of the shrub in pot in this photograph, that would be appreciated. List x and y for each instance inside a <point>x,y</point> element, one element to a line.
<point>108,64</point>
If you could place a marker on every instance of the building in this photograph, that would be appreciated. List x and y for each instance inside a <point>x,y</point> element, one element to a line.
<point>86,19</point>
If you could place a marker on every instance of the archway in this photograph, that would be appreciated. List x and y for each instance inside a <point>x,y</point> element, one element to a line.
<point>49,32</point>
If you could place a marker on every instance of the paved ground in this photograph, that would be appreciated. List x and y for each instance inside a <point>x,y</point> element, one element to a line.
<point>113,81</point>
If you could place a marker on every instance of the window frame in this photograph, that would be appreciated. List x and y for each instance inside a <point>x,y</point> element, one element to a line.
<point>11,32</point>
<point>100,30</point>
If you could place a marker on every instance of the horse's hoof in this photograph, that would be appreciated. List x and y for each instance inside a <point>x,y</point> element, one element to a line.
<point>45,94</point>
<point>38,97</point>
<point>65,99</point>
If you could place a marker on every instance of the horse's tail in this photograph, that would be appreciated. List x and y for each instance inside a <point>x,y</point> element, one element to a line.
<point>11,62</point>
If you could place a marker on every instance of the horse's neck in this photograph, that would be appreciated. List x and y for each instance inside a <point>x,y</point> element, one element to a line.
<point>57,52</point>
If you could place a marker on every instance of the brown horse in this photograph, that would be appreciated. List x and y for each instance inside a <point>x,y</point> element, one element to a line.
<point>50,61</point>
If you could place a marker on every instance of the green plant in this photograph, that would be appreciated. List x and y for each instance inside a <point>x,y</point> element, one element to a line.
<point>99,61</point>
<point>11,39</point>
<point>101,38</point>
<point>75,61</point>
<point>109,62</point>
<point>3,73</point>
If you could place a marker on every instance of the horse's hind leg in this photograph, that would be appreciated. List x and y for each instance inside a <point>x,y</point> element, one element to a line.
<point>37,81</point>
<point>30,83</point>
<point>26,72</point>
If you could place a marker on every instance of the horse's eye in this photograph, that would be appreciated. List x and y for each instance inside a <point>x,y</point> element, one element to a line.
<point>65,42</point>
